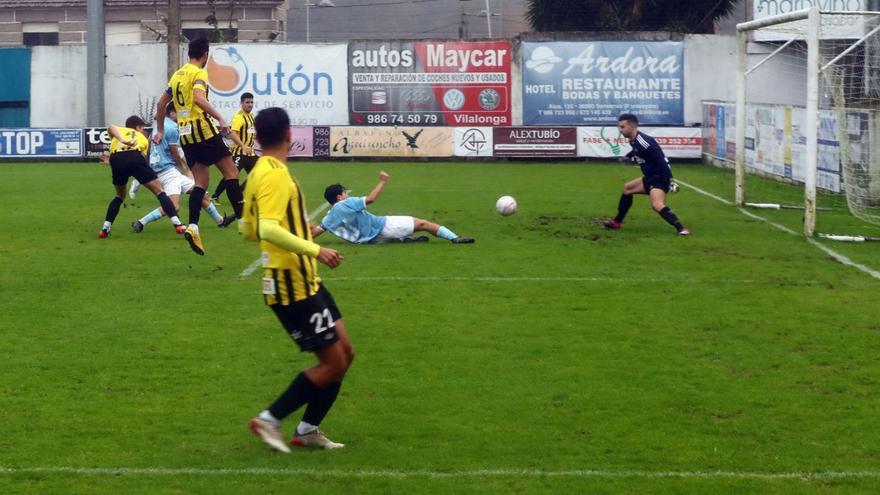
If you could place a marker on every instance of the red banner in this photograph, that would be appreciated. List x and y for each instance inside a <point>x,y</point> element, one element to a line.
<point>443,83</point>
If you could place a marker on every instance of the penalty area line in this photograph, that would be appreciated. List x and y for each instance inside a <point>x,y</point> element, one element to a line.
<point>429,278</point>
<point>476,473</point>
<point>247,272</point>
<point>840,258</point>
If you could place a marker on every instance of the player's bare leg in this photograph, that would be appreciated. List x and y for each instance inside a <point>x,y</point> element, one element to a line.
<point>440,231</point>
<point>635,186</point>
<point>170,208</point>
<point>658,203</point>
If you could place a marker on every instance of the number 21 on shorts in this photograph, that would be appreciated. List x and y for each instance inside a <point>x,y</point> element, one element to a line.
<point>319,320</point>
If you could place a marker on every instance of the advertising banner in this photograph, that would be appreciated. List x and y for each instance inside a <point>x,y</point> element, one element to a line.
<point>309,81</point>
<point>391,141</point>
<point>436,83</point>
<point>321,142</point>
<point>97,141</point>
<point>593,82</point>
<point>47,143</point>
<point>535,142</point>
<point>775,143</point>
<point>607,142</point>
<point>850,27</point>
<point>473,141</point>
<point>302,141</point>
<point>719,130</point>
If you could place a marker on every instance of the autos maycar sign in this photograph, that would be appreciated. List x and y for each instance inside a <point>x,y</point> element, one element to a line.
<point>435,83</point>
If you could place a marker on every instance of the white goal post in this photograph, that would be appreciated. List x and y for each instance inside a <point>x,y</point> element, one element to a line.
<point>829,67</point>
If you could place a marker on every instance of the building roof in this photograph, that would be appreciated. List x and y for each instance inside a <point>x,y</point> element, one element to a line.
<point>41,4</point>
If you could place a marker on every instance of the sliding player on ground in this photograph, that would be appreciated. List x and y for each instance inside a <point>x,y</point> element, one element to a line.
<point>200,138</point>
<point>275,213</point>
<point>656,181</point>
<point>128,158</point>
<point>349,220</point>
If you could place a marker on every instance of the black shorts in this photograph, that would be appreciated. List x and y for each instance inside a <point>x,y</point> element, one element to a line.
<point>656,182</point>
<point>310,322</point>
<point>245,162</point>
<point>207,152</point>
<point>125,164</point>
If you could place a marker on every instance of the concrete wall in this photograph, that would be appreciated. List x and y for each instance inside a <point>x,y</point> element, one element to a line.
<point>58,80</point>
<point>709,72</point>
<point>58,86</point>
<point>134,79</point>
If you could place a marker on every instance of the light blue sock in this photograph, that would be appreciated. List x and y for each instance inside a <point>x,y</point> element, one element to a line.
<point>445,233</point>
<point>152,216</point>
<point>212,210</point>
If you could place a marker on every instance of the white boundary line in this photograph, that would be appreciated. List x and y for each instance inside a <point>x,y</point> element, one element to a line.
<point>840,258</point>
<point>476,473</point>
<point>247,272</point>
<point>429,278</point>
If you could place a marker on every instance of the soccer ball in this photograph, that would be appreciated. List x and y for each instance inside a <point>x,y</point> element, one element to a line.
<point>505,206</point>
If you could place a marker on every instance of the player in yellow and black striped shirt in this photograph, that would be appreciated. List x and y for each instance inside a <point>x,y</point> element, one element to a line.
<point>275,213</point>
<point>200,138</point>
<point>242,135</point>
<point>128,158</point>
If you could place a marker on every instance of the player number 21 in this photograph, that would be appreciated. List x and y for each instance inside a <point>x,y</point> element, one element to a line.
<point>318,319</point>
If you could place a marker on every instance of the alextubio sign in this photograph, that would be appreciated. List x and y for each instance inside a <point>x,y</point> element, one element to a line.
<point>535,141</point>
<point>434,83</point>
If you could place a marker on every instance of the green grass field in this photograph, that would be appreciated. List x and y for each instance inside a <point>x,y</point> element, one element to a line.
<point>550,357</point>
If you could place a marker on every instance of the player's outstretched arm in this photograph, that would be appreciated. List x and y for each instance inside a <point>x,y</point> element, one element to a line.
<point>316,230</point>
<point>177,155</point>
<point>374,194</point>
<point>201,100</point>
<point>114,131</point>
<point>236,138</point>
<point>272,231</point>
<point>248,230</point>
<point>160,117</point>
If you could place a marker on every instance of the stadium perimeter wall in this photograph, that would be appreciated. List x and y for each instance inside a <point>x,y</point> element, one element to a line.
<point>135,75</point>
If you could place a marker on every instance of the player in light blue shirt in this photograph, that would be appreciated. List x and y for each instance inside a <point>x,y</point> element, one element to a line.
<point>167,161</point>
<point>349,220</point>
<point>161,158</point>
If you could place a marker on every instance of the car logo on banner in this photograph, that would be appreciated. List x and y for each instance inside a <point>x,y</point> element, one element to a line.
<point>378,97</point>
<point>453,99</point>
<point>489,99</point>
<point>474,141</point>
<point>416,96</point>
<point>543,60</point>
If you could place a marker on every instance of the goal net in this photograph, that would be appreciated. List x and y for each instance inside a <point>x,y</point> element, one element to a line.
<point>807,116</point>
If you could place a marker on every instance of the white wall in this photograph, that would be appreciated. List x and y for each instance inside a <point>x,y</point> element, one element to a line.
<point>58,86</point>
<point>709,72</point>
<point>135,77</point>
<point>134,80</point>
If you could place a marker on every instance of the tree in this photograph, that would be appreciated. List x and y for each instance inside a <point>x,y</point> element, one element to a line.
<point>686,16</point>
